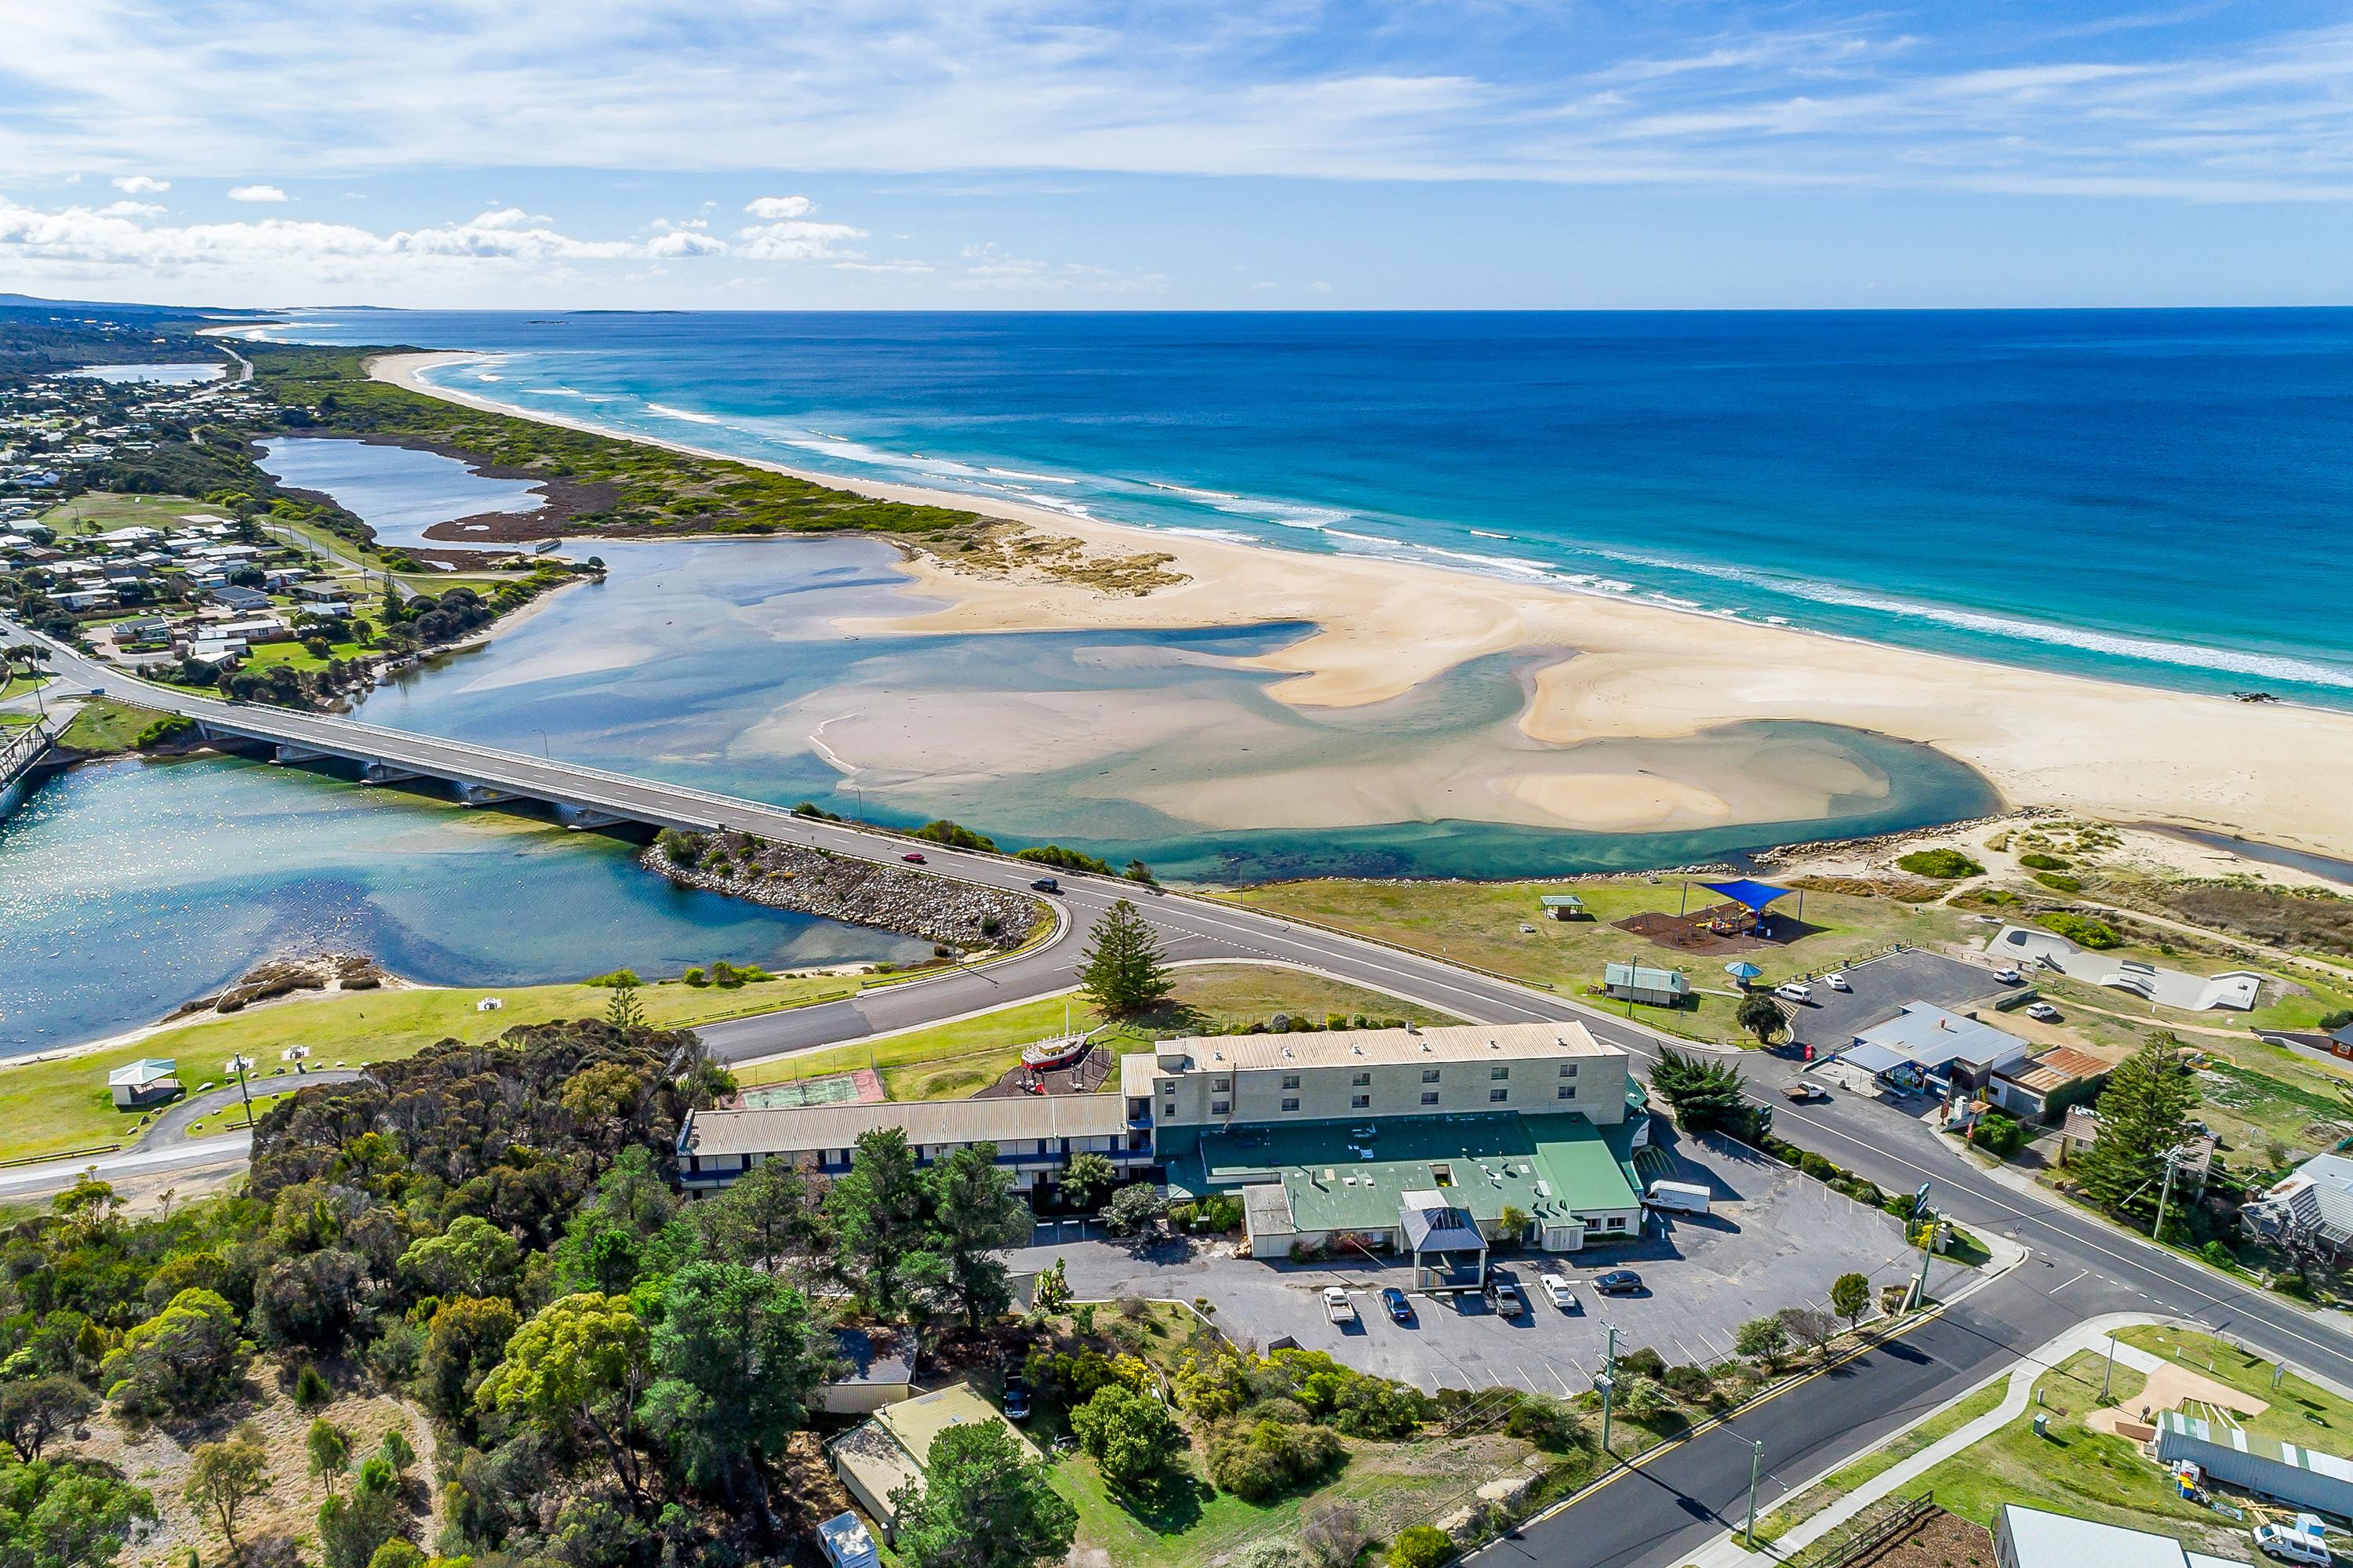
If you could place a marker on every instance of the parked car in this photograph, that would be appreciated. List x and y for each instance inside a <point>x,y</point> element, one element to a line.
<point>1017,1397</point>
<point>1794,991</point>
<point>1504,1295</point>
<point>1557,1290</point>
<point>1336,1305</point>
<point>1047,884</point>
<point>1617,1282</point>
<point>2009,976</point>
<point>913,857</point>
<point>1837,982</point>
<point>1399,1306</point>
<point>2042,1012</point>
<point>2289,1544</point>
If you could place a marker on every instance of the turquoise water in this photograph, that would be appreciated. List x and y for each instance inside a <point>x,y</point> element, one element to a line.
<point>126,888</point>
<point>2156,496</point>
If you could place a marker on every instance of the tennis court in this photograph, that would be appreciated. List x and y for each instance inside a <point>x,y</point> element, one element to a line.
<point>863,1087</point>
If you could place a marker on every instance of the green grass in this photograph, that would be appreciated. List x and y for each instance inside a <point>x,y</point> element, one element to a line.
<point>2300,1411</point>
<point>1479,923</point>
<point>15,686</point>
<point>53,1106</point>
<point>102,511</point>
<point>1869,1467</point>
<point>2076,1470</point>
<point>296,657</point>
<point>105,724</point>
<point>952,1060</point>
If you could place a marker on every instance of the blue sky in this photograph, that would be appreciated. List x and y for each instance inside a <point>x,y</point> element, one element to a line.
<point>1025,153</point>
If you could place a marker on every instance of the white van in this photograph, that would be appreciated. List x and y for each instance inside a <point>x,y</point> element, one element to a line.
<point>2291,1546</point>
<point>1794,991</point>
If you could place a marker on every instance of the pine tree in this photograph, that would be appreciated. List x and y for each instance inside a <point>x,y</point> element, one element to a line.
<point>2144,1112</point>
<point>623,1011</point>
<point>1123,969</point>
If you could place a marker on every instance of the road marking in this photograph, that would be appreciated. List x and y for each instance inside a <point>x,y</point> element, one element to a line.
<point>2057,1289</point>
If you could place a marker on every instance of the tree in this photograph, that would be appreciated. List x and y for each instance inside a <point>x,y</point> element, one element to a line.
<point>65,1516</point>
<point>982,1505</point>
<point>1706,1095</point>
<point>1123,969</point>
<point>224,1477</point>
<point>465,1340</point>
<point>1644,1398</point>
<point>1762,1016</point>
<point>1811,1327</point>
<point>1089,1176</point>
<point>763,1217</point>
<point>881,1217</point>
<point>1334,1533</point>
<point>186,1357</point>
<point>1129,1435</point>
<point>34,1409</point>
<point>1420,1546</point>
<point>1135,1208</point>
<point>330,1448</point>
<point>622,1009</point>
<point>472,1257</point>
<point>735,1358</point>
<point>1850,1297</point>
<point>576,1371</point>
<point>977,1216</point>
<point>398,1451</point>
<point>1762,1339</point>
<point>2144,1113</point>
<point>1512,1225</point>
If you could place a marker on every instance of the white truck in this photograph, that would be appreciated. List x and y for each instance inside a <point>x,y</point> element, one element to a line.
<point>2305,1540</point>
<point>1680,1197</point>
<point>1336,1305</point>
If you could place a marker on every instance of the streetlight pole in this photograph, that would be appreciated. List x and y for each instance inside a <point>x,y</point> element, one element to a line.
<point>1755,1464</point>
<point>237,1064</point>
<point>2111,1367</point>
<point>1609,1386</point>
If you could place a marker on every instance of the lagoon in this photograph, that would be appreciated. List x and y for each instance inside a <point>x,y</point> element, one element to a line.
<point>400,493</point>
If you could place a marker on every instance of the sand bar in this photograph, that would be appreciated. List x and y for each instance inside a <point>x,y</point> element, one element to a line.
<point>2272,771</point>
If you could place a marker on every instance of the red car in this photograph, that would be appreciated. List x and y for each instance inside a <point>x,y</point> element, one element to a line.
<point>912,858</point>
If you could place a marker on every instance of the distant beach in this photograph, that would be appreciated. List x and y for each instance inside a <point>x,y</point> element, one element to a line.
<point>1639,671</point>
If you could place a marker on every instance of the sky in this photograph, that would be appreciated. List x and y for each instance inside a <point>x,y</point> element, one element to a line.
<point>1277,154</point>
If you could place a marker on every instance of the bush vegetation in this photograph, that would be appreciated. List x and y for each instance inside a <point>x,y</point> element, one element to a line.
<point>1945,864</point>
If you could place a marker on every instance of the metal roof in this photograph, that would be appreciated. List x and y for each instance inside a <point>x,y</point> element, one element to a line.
<point>2060,1540</point>
<point>138,1075</point>
<point>1929,1036</point>
<point>1644,977</point>
<point>1377,1047</point>
<point>804,1129</point>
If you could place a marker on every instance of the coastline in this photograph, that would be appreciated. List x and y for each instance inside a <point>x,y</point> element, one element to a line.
<point>1639,671</point>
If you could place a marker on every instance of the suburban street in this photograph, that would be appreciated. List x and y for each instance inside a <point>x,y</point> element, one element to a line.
<point>2076,1267</point>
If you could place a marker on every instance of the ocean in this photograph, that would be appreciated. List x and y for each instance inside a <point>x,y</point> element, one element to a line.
<point>2154,496</point>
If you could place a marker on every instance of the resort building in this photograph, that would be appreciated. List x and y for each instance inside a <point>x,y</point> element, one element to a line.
<point>1345,1137</point>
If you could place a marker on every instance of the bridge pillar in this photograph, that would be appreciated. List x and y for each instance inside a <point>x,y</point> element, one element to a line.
<point>387,773</point>
<point>581,818</point>
<point>472,794</point>
<point>283,753</point>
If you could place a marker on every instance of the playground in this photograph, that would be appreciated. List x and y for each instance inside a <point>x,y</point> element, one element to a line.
<point>1740,920</point>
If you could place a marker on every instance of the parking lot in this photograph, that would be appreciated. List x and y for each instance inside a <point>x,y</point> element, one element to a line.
<point>1832,1019</point>
<point>1774,1239</point>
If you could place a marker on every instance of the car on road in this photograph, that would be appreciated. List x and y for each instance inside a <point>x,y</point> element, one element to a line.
<point>1794,991</point>
<point>1617,1282</point>
<point>1399,1307</point>
<point>2042,1012</point>
<point>1805,1090</point>
<point>1336,1305</point>
<point>913,858</point>
<point>1016,1397</point>
<point>2009,976</point>
<point>1557,1290</point>
<point>1047,884</point>
<point>1837,982</point>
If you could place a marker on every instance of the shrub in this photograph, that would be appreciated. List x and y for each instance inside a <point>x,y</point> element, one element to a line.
<point>1334,1534</point>
<point>2035,860</point>
<point>1644,1362</point>
<point>1129,1436</point>
<point>1420,1546</point>
<point>955,835</point>
<point>2058,884</point>
<point>1945,864</point>
<point>1998,1134</point>
<point>311,1390</point>
<point>680,849</point>
<point>1690,1384</point>
<point>2332,1022</point>
<point>695,977</point>
<point>2083,930</point>
<point>1265,1459</point>
<point>1546,1421</point>
<point>616,979</point>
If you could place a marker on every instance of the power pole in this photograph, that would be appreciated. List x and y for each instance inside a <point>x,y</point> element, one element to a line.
<point>1755,1463</point>
<point>1609,1386</point>
<point>2164,1193</point>
<point>237,1064</point>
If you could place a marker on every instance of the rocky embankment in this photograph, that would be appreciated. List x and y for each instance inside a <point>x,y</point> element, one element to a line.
<point>283,976</point>
<point>840,887</point>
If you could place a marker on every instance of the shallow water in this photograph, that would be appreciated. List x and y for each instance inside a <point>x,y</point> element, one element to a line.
<point>400,493</point>
<point>158,375</point>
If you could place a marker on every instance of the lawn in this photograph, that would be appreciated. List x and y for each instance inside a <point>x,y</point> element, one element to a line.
<point>2076,1470</point>
<point>949,1060</point>
<point>297,658</point>
<point>100,510</point>
<point>2300,1411</point>
<point>106,725</point>
<point>16,685</point>
<point>1879,1461</point>
<point>1479,923</point>
<point>61,1104</point>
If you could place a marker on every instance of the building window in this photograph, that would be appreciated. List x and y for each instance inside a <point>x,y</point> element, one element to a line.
<point>1499,1072</point>
<point>1362,1080</point>
<point>1429,1074</point>
<point>1616,1223</point>
<point>1568,1069</point>
<point>1291,1102</point>
<point>1219,1107</point>
<point>1429,1096</point>
<point>1359,1102</point>
<point>1494,1095</point>
<point>1567,1092</point>
<point>1220,1085</point>
<point>1290,1080</point>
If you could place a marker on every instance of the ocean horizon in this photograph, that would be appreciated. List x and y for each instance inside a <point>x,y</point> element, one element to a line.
<point>2112,493</point>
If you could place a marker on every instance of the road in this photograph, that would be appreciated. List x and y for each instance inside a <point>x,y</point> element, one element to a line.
<point>2078,1267</point>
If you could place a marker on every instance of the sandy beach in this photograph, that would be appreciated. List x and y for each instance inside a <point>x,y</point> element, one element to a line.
<point>1646,672</point>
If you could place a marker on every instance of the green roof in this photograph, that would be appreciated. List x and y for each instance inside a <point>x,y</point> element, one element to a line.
<point>1548,1166</point>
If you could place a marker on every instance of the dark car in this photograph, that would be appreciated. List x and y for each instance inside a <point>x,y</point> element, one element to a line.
<point>1398,1306</point>
<point>1046,885</point>
<point>1017,1397</point>
<point>913,858</point>
<point>1617,1282</point>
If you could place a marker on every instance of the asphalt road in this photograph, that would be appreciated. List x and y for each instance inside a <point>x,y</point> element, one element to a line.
<point>2079,1267</point>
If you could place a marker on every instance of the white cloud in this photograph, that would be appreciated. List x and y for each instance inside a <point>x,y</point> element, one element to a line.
<point>801,240</point>
<point>685,242</point>
<point>141,184</point>
<point>130,209</point>
<point>780,207</point>
<point>257,192</point>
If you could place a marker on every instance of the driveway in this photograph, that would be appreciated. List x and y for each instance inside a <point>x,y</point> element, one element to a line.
<point>1882,987</point>
<point>1774,1239</point>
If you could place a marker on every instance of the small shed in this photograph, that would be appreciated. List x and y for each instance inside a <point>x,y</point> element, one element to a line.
<point>1563,905</point>
<point>847,1541</point>
<point>1644,984</point>
<point>149,1082</point>
<point>878,1368</point>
